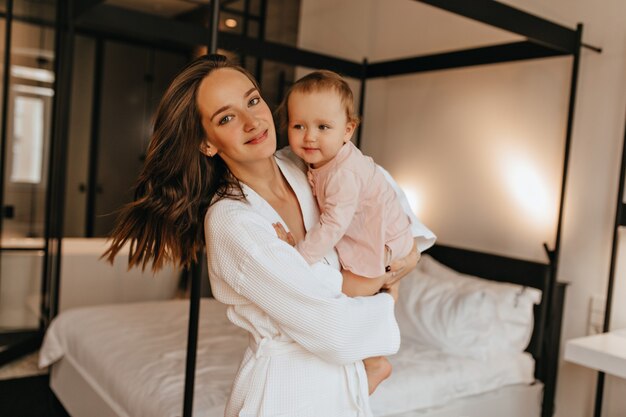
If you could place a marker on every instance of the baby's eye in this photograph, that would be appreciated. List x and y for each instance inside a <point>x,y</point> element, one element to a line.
<point>225,119</point>
<point>324,127</point>
<point>254,101</point>
<point>297,127</point>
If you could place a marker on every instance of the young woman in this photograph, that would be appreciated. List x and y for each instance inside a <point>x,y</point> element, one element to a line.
<point>212,152</point>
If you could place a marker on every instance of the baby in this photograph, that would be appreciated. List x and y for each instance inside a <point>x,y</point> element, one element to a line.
<point>360,214</point>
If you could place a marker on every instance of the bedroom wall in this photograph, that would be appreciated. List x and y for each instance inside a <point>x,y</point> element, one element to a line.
<point>509,121</point>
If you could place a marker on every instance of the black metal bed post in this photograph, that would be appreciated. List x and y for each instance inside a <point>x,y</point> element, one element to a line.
<point>619,221</point>
<point>261,35</point>
<point>57,169</point>
<point>552,340</point>
<point>5,107</point>
<point>192,337</point>
<point>215,20</point>
<point>92,173</point>
<point>194,297</point>
<point>362,103</point>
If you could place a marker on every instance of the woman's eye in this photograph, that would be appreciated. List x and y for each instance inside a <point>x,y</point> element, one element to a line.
<point>225,119</point>
<point>254,101</point>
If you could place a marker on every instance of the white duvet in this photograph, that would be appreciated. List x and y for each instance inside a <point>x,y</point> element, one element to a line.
<point>134,356</point>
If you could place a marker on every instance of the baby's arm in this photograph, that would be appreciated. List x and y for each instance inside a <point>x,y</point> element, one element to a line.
<point>341,202</point>
<point>353,285</point>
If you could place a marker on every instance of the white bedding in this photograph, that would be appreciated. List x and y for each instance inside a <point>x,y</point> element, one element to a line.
<point>134,356</point>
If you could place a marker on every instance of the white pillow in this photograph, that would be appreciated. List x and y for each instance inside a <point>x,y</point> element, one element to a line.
<point>462,314</point>
<point>514,303</point>
<point>445,315</point>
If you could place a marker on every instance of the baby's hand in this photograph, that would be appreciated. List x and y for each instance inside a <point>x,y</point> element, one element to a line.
<point>283,234</point>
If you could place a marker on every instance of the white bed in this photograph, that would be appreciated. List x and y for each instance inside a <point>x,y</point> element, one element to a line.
<point>128,361</point>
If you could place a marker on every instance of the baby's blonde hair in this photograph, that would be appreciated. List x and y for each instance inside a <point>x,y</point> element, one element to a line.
<point>320,80</point>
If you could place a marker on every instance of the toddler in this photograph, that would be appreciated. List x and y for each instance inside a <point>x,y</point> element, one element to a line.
<point>360,214</point>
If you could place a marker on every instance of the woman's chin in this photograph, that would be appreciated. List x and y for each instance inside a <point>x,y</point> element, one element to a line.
<point>269,148</point>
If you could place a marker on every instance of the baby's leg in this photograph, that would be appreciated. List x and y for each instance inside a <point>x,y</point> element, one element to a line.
<point>377,369</point>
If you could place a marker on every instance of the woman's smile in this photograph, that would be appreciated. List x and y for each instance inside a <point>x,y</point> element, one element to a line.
<point>258,139</point>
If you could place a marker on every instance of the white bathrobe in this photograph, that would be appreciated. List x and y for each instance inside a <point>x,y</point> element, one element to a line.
<point>307,339</point>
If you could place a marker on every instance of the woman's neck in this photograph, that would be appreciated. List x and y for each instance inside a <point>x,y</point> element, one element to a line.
<point>264,177</point>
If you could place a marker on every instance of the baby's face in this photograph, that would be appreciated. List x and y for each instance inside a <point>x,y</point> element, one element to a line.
<point>318,126</point>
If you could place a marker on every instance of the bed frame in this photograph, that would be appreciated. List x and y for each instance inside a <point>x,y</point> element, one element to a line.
<point>545,341</point>
<point>543,39</point>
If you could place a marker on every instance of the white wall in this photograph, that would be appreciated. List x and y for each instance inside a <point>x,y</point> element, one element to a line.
<point>425,128</point>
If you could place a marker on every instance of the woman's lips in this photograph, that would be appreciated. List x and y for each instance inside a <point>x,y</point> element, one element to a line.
<point>257,139</point>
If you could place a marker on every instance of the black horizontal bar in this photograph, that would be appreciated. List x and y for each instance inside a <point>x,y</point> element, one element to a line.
<point>493,13</point>
<point>104,18</point>
<point>288,54</point>
<point>108,19</point>
<point>516,51</point>
<point>240,13</point>
<point>591,47</point>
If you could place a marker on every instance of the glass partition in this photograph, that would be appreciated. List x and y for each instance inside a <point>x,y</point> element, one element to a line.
<point>27,100</point>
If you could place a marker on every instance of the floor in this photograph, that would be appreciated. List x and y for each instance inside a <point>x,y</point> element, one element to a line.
<point>29,397</point>
<point>26,366</point>
<point>24,390</point>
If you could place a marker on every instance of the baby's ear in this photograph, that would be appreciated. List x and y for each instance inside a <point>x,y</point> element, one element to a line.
<point>350,127</point>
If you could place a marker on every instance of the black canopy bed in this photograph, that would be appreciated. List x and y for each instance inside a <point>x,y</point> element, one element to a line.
<point>543,39</point>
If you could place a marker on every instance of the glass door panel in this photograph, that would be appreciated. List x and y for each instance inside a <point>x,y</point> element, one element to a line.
<point>26,135</point>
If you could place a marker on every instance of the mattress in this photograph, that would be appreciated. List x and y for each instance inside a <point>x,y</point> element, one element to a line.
<point>133,356</point>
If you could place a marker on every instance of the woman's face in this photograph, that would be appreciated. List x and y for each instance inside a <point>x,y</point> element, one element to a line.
<point>237,122</point>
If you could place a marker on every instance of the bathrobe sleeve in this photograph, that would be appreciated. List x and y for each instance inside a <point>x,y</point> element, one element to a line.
<point>270,273</point>
<point>341,199</point>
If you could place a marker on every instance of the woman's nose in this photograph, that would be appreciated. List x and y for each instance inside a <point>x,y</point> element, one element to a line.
<point>250,122</point>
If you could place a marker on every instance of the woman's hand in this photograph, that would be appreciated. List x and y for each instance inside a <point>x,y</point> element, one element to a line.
<point>401,267</point>
<point>393,290</point>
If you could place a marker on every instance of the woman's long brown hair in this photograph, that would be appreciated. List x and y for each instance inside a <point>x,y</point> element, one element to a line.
<point>177,182</point>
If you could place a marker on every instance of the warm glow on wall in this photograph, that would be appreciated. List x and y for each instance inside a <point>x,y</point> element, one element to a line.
<point>528,188</point>
<point>413,197</point>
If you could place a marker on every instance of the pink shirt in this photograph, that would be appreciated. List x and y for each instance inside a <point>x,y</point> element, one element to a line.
<point>359,215</point>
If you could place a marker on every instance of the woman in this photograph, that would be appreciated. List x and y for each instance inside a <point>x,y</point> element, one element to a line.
<point>212,152</point>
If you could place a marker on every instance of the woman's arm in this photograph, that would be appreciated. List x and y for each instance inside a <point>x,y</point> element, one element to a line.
<point>245,253</point>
